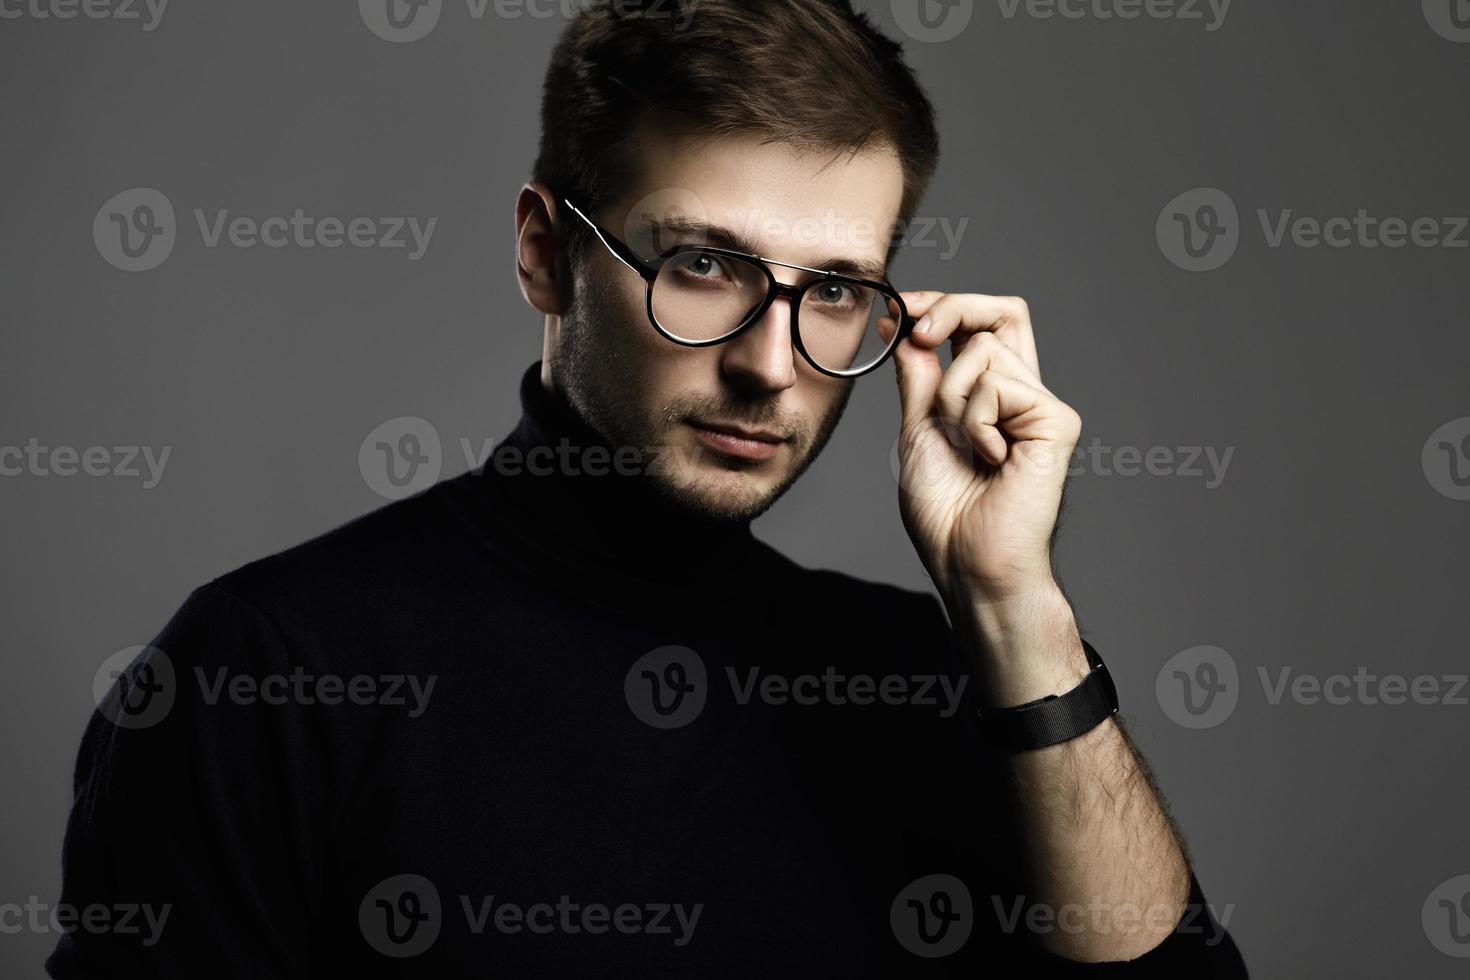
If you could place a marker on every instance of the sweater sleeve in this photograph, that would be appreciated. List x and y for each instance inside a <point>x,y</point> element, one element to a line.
<point>194,805</point>
<point>1199,946</point>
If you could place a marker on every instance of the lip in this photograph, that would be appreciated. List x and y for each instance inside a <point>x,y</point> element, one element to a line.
<point>757,435</point>
<point>734,441</point>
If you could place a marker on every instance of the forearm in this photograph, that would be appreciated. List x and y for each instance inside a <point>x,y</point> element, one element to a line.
<point>1099,854</point>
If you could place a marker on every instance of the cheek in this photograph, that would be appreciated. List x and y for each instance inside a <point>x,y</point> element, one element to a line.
<point>631,297</point>
<point>824,406</point>
<point>615,301</point>
<point>627,313</point>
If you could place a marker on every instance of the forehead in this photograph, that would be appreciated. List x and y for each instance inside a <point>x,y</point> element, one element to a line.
<point>796,205</point>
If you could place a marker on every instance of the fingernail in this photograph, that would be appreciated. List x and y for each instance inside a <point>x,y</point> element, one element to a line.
<point>924,324</point>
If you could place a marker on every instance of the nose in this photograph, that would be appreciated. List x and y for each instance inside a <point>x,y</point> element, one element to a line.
<point>763,358</point>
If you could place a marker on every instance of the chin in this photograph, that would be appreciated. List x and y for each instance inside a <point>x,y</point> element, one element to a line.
<point>727,495</point>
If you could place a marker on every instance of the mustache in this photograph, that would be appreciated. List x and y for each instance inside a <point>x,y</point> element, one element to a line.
<point>767,417</point>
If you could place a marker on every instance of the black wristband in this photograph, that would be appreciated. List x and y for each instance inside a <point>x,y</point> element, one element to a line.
<point>1056,717</point>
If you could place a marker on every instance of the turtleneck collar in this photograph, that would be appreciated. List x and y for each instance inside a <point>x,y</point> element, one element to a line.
<point>556,485</point>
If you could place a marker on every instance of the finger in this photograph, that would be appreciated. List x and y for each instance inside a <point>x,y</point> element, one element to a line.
<point>984,353</point>
<point>1002,409</point>
<point>918,372</point>
<point>957,317</point>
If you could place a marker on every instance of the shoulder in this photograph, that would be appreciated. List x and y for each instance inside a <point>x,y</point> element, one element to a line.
<point>362,570</point>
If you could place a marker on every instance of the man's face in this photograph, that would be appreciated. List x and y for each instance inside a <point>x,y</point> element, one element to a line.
<point>637,388</point>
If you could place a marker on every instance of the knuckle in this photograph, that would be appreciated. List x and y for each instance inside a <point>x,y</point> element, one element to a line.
<point>987,343</point>
<point>1017,308</point>
<point>950,403</point>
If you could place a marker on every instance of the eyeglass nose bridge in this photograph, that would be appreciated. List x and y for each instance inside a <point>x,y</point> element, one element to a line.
<point>791,292</point>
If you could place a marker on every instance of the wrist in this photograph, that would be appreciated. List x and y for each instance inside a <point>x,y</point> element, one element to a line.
<point>1023,647</point>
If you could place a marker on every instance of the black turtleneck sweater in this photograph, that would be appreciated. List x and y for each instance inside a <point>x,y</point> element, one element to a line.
<point>537,724</point>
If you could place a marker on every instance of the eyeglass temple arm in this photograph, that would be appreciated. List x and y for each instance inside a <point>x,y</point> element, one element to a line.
<point>621,252</point>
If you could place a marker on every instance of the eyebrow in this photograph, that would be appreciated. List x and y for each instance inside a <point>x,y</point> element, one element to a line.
<point>736,242</point>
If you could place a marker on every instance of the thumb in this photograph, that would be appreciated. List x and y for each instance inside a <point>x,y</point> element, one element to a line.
<point>918,371</point>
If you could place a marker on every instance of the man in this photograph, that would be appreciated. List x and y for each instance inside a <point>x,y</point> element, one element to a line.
<point>566,716</point>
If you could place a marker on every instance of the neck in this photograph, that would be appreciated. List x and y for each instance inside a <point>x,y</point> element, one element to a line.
<point>566,490</point>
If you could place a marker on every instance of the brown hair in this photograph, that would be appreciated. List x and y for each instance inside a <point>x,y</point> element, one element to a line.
<point>811,73</point>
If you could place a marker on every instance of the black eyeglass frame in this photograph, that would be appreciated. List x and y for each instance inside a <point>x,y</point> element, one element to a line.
<point>649,270</point>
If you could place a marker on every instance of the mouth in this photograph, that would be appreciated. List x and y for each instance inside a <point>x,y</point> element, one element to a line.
<point>733,440</point>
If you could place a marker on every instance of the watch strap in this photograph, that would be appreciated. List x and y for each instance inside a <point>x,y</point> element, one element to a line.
<point>1056,717</point>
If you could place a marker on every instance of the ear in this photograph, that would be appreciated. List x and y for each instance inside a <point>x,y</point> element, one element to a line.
<point>542,274</point>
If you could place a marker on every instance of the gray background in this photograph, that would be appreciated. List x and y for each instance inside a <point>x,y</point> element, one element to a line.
<point>1323,828</point>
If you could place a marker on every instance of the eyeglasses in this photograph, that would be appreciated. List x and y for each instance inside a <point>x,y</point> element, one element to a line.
<point>700,296</point>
